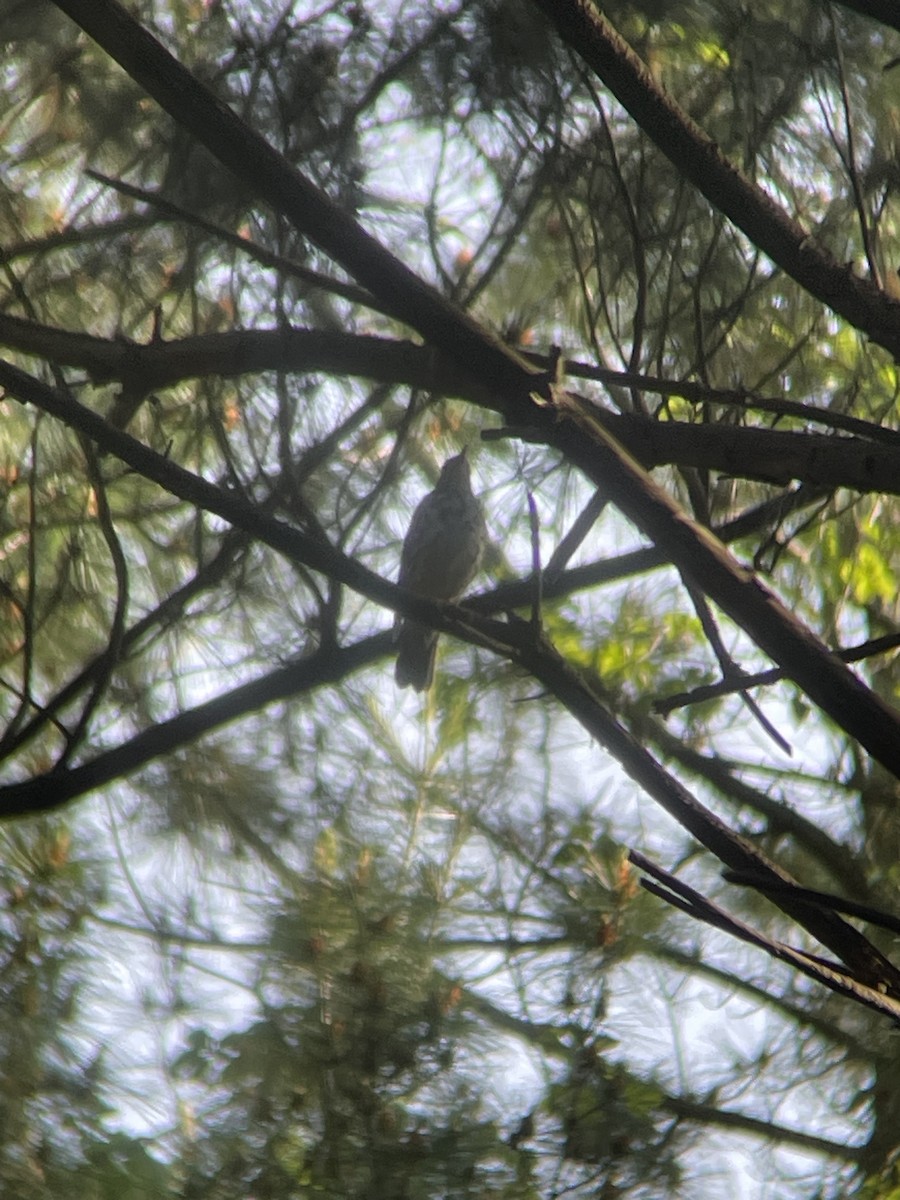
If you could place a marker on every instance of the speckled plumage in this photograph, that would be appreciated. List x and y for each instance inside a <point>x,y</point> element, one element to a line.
<point>440,558</point>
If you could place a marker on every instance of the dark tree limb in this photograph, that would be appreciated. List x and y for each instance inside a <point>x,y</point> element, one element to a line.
<point>696,156</point>
<point>330,664</point>
<point>572,427</point>
<point>159,364</point>
<point>851,908</point>
<point>701,556</point>
<point>44,793</point>
<point>270,177</point>
<point>869,462</point>
<point>671,889</point>
<point>713,1117</point>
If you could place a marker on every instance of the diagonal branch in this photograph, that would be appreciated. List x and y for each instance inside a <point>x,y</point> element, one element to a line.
<point>671,889</point>
<point>700,160</point>
<point>852,908</point>
<point>514,639</point>
<point>702,557</point>
<point>270,177</point>
<point>694,549</point>
<point>517,641</point>
<point>739,683</point>
<point>329,664</point>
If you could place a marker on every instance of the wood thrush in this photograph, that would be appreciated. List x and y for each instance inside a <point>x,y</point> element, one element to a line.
<point>440,558</point>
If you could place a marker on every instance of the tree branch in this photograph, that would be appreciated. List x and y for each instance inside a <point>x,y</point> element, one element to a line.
<point>671,889</point>
<point>774,628</point>
<point>517,641</point>
<point>574,428</point>
<point>724,687</point>
<point>696,156</point>
<point>771,455</point>
<point>270,177</point>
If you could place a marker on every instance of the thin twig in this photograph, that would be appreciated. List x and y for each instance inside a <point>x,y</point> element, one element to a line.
<point>725,687</point>
<point>730,670</point>
<point>570,542</point>
<point>260,254</point>
<point>537,575</point>
<point>111,655</point>
<point>850,157</point>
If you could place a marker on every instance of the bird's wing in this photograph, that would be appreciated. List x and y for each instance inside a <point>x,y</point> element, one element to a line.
<point>414,554</point>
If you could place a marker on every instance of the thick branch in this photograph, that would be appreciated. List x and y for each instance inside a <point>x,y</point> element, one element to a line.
<point>43,793</point>
<point>736,450</point>
<point>697,157</point>
<point>273,179</point>
<point>671,889</point>
<point>774,628</point>
<point>516,640</point>
<point>711,1116</point>
<point>330,664</point>
<point>142,366</point>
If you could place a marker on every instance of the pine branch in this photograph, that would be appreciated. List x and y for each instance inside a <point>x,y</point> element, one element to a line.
<point>868,462</point>
<point>696,156</point>
<point>854,986</point>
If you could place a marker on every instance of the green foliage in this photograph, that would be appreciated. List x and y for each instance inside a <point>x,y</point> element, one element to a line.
<point>333,940</point>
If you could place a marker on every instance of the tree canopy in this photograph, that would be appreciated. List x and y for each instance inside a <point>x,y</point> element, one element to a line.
<point>611,909</point>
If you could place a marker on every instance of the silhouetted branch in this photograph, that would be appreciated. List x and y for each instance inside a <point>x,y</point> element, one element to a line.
<point>696,156</point>
<point>671,889</point>
<point>852,908</point>
<point>725,687</point>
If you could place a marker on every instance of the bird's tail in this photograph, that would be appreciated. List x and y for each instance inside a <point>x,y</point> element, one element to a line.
<point>416,646</point>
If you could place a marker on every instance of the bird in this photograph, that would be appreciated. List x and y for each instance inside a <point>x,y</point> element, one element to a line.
<point>440,557</point>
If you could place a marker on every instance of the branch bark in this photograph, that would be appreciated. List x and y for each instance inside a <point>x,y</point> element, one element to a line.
<point>702,557</point>
<point>860,463</point>
<point>518,389</point>
<point>270,177</point>
<point>670,888</point>
<point>699,159</point>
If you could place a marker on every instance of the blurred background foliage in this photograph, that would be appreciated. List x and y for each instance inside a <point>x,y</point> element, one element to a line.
<point>368,945</point>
